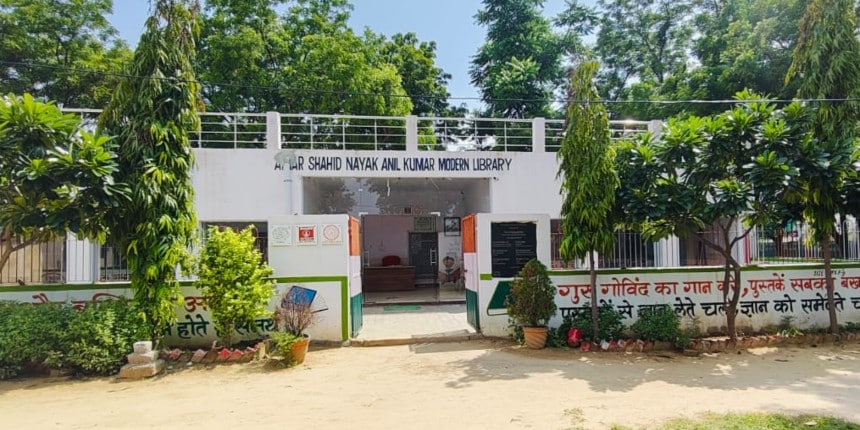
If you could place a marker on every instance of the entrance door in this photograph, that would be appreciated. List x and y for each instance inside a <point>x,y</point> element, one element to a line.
<point>424,255</point>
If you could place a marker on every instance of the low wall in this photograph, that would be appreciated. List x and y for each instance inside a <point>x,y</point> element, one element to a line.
<point>194,327</point>
<point>768,294</point>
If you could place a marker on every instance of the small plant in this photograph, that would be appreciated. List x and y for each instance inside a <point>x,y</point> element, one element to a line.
<point>851,326</point>
<point>657,324</point>
<point>531,302</point>
<point>692,330</point>
<point>293,314</point>
<point>233,280</point>
<point>610,321</point>
<point>292,317</point>
<point>787,328</point>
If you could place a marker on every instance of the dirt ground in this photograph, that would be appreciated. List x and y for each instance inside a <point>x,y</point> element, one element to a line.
<point>480,384</point>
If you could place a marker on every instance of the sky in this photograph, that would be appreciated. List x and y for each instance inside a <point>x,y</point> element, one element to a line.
<point>450,23</point>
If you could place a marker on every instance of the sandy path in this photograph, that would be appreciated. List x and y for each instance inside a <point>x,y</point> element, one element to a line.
<point>482,384</point>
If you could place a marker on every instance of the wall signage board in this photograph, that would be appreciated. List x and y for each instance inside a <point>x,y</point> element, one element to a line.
<point>513,244</point>
<point>424,224</point>
<point>281,235</point>
<point>332,234</point>
<point>307,234</point>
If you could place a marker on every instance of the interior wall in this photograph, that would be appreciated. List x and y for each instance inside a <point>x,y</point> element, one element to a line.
<point>386,235</point>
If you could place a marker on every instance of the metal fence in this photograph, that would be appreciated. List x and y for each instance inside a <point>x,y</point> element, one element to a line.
<point>474,134</point>
<point>342,132</point>
<point>794,244</point>
<point>623,129</point>
<point>630,251</point>
<point>230,130</point>
<point>58,262</point>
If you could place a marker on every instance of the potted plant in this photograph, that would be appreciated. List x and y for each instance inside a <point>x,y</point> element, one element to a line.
<point>531,302</point>
<point>293,316</point>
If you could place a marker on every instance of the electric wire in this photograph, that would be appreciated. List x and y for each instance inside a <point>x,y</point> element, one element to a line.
<point>423,96</point>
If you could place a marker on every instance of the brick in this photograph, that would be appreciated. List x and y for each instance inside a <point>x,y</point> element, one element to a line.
<point>145,358</point>
<point>142,347</point>
<point>140,371</point>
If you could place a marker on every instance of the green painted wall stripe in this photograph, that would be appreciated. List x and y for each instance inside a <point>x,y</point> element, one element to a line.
<point>344,291</point>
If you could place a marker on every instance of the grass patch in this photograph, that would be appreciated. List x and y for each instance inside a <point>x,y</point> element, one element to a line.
<point>756,421</point>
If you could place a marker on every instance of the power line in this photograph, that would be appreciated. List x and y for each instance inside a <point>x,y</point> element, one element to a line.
<point>353,93</point>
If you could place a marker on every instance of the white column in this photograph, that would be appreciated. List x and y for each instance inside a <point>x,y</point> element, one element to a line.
<point>411,133</point>
<point>667,252</point>
<point>82,260</point>
<point>538,135</point>
<point>655,127</point>
<point>273,130</point>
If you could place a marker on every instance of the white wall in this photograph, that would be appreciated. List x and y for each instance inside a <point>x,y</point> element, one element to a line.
<point>386,235</point>
<point>241,184</point>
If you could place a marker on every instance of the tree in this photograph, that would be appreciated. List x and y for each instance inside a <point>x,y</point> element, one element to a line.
<point>588,178</point>
<point>519,65</point>
<point>641,44</point>
<point>232,278</point>
<point>152,112</point>
<point>424,82</point>
<point>728,172</point>
<point>242,43</point>
<point>826,66</point>
<point>54,177</point>
<point>60,50</point>
<point>306,61</point>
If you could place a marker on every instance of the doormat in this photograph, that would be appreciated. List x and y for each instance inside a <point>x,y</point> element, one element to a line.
<point>401,308</point>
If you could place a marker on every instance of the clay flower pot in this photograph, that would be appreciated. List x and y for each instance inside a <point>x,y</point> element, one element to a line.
<point>299,349</point>
<point>535,337</point>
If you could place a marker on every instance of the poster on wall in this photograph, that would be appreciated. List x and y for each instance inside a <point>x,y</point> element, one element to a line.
<point>332,234</point>
<point>307,234</point>
<point>512,244</point>
<point>281,235</point>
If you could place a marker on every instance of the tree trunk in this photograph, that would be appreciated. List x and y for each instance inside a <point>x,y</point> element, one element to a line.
<point>733,306</point>
<point>727,302</point>
<point>828,277</point>
<point>595,311</point>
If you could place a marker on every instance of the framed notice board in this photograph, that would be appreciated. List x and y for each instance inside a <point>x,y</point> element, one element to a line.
<point>513,244</point>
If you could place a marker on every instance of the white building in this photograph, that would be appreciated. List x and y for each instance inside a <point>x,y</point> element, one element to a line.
<point>346,206</point>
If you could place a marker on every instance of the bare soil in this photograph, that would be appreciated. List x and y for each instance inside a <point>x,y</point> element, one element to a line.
<point>479,384</point>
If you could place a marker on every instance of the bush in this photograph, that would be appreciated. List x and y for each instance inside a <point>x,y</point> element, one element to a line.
<point>531,301</point>
<point>92,341</point>
<point>657,324</point>
<point>32,336</point>
<point>610,320</point>
<point>233,280</point>
<point>102,334</point>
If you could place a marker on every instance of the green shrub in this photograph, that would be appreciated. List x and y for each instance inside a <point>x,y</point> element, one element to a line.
<point>233,281</point>
<point>531,301</point>
<point>658,324</point>
<point>102,334</point>
<point>32,336</point>
<point>610,320</point>
<point>284,341</point>
<point>94,340</point>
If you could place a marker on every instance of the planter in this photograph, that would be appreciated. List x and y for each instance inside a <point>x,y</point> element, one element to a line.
<point>535,337</point>
<point>299,349</point>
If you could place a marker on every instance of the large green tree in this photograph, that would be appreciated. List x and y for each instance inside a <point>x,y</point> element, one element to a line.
<point>826,66</point>
<point>519,65</point>
<point>60,50</point>
<point>152,113</point>
<point>588,178</point>
<point>308,60</point>
<point>714,179</point>
<point>54,177</point>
